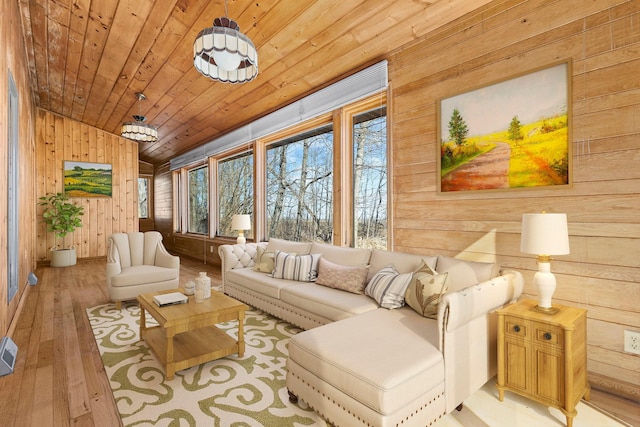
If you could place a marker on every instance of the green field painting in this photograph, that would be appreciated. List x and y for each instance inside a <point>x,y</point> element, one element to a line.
<point>82,179</point>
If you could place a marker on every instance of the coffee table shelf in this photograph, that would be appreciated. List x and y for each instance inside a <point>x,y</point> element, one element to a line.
<point>186,334</point>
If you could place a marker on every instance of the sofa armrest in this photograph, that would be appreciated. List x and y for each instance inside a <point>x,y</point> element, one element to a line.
<point>165,259</point>
<point>459,308</point>
<point>238,256</point>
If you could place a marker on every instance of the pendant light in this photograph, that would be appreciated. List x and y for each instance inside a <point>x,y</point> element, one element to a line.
<point>223,53</point>
<point>139,130</point>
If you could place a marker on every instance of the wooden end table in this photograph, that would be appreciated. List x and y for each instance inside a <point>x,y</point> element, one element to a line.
<point>186,334</point>
<point>543,356</point>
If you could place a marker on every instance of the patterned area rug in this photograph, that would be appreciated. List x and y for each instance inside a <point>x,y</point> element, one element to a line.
<point>232,391</point>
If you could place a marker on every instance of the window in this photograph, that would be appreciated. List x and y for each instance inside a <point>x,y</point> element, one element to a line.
<point>143,198</point>
<point>198,208</point>
<point>370,179</point>
<point>235,191</point>
<point>302,183</point>
<point>299,183</point>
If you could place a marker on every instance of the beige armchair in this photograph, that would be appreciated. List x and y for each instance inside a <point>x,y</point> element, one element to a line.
<point>138,263</point>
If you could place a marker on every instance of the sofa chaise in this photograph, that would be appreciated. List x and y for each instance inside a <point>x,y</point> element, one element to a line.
<point>384,352</point>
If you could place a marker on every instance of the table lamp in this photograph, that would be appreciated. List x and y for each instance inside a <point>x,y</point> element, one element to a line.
<point>545,234</point>
<point>241,223</point>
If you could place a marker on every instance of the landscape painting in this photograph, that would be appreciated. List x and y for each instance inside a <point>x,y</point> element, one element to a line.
<point>82,179</point>
<point>512,134</point>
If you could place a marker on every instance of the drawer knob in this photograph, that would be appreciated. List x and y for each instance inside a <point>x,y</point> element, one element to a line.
<point>516,328</point>
<point>547,336</point>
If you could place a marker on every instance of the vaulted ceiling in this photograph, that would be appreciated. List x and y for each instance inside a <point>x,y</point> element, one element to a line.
<point>88,58</point>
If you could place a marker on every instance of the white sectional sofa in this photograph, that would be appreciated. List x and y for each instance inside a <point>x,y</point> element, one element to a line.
<point>358,363</point>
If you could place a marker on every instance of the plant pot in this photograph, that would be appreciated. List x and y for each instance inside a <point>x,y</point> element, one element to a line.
<point>63,257</point>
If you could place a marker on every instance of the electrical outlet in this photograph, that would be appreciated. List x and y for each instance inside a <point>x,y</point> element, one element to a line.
<point>211,248</point>
<point>632,342</point>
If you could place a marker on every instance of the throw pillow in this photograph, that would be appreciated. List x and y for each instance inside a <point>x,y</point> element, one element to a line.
<point>426,290</point>
<point>350,279</point>
<point>264,261</point>
<point>388,287</point>
<point>303,268</point>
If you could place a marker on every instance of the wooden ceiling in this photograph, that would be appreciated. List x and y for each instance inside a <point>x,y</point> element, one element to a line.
<point>88,58</point>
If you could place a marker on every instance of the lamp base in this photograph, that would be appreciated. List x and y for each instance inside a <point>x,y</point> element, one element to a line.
<point>546,310</point>
<point>241,240</point>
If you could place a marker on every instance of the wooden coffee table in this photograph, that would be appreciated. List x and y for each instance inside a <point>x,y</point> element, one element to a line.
<point>186,334</point>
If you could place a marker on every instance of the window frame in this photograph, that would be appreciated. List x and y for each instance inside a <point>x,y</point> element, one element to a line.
<point>216,161</point>
<point>341,120</point>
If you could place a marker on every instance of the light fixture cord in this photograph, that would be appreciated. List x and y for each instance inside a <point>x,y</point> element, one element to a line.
<point>226,11</point>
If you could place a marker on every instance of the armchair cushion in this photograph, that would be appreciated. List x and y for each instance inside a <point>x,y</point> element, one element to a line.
<point>138,274</point>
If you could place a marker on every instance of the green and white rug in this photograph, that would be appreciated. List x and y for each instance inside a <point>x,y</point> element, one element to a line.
<point>232,391</point>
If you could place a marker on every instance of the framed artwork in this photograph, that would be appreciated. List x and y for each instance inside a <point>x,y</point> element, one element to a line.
<point>82,179</point>
<point>507,135</point>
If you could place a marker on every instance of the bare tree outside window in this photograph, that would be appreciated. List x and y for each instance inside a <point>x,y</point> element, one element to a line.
<point>299,187</point>
<point>198,183</point>
<point>235,191</point>
<point>370,179</point>
<point>143,198</point>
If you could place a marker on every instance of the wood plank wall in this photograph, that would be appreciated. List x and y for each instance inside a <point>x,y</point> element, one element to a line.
<point>506,38</point>
<point>503,39</point>
<point>60,138</point>
<point>12,60</point>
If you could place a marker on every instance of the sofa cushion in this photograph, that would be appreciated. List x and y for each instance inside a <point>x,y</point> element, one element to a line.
<point>404,263</point>
<point>138,274</point>
<point>350,279</point>
<point>360,357</point>
<point>463,274</point>
<point>301,248</point>
<point>332,304</point>
<point>426,290</point>
<point>302,268</point>
<point>255,281</point>
<point>264,260</point>
<point>388,286</point>
<point>354,257</point>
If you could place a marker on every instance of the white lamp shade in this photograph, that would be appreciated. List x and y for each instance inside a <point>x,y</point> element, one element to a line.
<point>241,222</point>
<point>545,234</point>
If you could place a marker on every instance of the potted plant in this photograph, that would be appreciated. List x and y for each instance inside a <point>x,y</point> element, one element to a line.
<point>62,217</point>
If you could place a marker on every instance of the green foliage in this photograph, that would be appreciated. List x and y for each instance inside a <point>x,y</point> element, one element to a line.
<point>515,129</point>
<point>458,129</point>
<point>60,215</point>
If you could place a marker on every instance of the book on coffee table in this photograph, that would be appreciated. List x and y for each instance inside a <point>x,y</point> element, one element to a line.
<point>170,299</point>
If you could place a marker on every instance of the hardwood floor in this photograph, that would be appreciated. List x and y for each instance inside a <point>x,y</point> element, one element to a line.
<point>59,378</point>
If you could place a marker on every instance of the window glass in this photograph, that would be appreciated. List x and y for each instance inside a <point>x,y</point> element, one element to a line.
<point>143,198</point>
<point>370,179</point>
<point>299,198</point>
<point>235,191</point>
<point>198,184</point>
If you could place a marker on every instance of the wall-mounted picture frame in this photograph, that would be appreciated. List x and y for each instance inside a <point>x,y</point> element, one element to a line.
<point>512,134</point>
<point>84,179</point>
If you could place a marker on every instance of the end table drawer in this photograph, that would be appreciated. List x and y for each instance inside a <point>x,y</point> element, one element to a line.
<point>517,327</point>
<point>548,334</point>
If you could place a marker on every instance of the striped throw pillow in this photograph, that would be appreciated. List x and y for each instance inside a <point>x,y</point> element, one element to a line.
<point>303,268</point>
<point>388,287</point>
